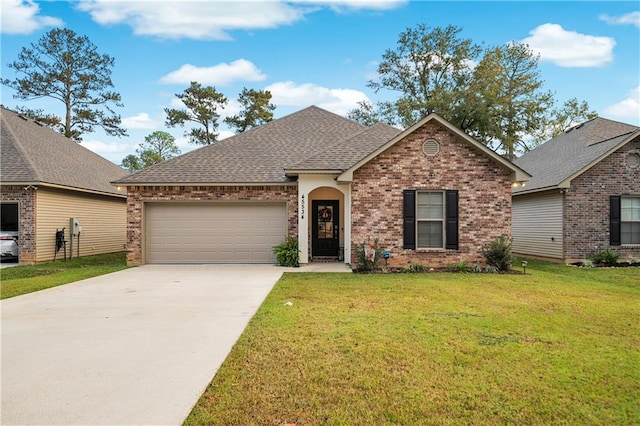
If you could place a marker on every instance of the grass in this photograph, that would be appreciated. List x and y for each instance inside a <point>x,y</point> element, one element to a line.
<point>560,345</point>
<point>24,279</point>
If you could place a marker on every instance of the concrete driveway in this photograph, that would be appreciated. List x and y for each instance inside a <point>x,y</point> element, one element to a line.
<point>137,346</point>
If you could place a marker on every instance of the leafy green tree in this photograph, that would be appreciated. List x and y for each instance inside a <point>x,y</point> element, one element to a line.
<point>496,94</point>
<point>256,110</point>
<point>510,85</point>
<point>369,114</point>
<point>430,69</point>
<point>132,163</point>
<point>67,67</point>
<point>202,104</point>
<point>557,120</point>
<point>50,120</point>
<point>162,144</point>
<point>157,147</point>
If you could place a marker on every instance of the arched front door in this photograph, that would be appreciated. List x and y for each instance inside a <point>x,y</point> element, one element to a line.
<point>325,233</point>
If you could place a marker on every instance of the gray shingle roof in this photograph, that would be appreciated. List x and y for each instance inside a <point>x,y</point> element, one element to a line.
<point>572,152</point>
<point>35,154</point>
<point>346,153</point>
<point>260,155</point>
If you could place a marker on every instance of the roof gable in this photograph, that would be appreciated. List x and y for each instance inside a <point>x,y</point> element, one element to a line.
<point>35,154</point>
<point>559,160</point>
<point>259,155</point>
<point>519,174</point>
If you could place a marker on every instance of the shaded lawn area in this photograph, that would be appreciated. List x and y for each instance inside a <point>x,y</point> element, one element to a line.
<point>560,345</point>
<point>24,279</point>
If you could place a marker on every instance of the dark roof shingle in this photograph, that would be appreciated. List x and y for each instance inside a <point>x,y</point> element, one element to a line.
<point>35,154</point>
<point>259,155</point>
<point>348,152</point>
<point>561,157</point>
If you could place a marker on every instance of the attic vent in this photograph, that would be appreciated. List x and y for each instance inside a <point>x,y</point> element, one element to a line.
<point>430,147</point>
<point>633,160</point>
<point>23,117</point>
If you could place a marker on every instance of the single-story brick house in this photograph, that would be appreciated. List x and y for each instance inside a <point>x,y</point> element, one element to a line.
<point>584,195</point>
<point>430,194</point>
<point>47,179</point>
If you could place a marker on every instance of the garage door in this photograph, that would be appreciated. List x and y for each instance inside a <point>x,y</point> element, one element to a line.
<point>214,232</point>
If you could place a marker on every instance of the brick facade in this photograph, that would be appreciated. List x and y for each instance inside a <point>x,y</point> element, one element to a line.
<point>484,196</point>
<point>586,205</point>
<point>138,195</point>
<point>26,199</point>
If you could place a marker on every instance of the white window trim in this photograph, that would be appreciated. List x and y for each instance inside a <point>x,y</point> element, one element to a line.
<point>627,221</point>
<point>442,220</point>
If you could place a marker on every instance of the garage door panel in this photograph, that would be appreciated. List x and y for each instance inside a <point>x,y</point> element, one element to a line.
<point>213,232</point>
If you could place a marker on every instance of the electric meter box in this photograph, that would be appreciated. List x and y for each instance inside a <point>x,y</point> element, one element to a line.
<point>75,227</point>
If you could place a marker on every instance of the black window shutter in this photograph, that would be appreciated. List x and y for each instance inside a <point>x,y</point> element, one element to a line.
<point>451,211</point>
<point>614,220</point>
<point>409,218</point>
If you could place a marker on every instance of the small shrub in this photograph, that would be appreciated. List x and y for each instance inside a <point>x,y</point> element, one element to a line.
<point>368,255</point>
<point>499,254</point>
<point>606,257</point>
<point>462,266</point>
<point>587,264</point>
<point>415,268</point>
<point>287,252</point>
<point>476,269</point>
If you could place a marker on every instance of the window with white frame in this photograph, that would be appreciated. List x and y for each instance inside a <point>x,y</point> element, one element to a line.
<point>430,219</point>
<point>630,220</point>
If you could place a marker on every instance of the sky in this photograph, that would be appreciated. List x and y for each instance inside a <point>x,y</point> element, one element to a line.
<point>316,52</point>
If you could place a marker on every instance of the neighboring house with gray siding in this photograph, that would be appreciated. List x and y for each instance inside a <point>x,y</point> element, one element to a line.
<point>430,194</point>
<point>584,194</point>
<point>47,179</point>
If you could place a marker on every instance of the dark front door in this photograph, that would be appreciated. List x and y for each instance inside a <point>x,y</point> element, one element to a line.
<point>326,228</point>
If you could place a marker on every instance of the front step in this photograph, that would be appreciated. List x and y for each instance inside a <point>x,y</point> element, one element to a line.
<point>324,259</point>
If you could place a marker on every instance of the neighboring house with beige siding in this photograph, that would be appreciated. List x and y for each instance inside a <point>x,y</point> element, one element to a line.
<point>47,179</point>
<point>584,195</point>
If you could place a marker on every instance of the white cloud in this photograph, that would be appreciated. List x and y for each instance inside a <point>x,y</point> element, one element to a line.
<point>177,103</point>
<point>22,17</point>
<point>233,107</point>
<point>214,20</point>
<point>627,108</point>
<point>221,74</point>
<point>112,151</point>
<point>184,145</point>
<point>631,18</point>
<point>225,134</point>
<point>140,121</point>
<point>201,20</point>
<point>339,101</point>
<point>346,5</point>
<point>569,48</point>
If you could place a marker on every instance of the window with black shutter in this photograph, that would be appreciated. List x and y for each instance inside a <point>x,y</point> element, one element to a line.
<point>409,214</point>
<point>430,219</point>
<point>630,220</point>
<point>614,220</point>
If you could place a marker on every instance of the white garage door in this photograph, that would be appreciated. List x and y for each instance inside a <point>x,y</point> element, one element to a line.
<point>214,232</point>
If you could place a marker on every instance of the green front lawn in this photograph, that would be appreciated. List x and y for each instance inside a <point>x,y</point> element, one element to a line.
<point>23,279</point>
<point>560,345</point>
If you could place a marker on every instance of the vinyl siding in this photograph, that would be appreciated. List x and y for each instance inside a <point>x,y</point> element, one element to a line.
<point>537,226</point>
<point>103,220</point>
